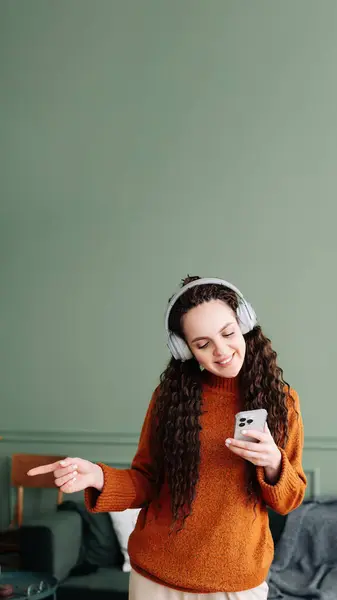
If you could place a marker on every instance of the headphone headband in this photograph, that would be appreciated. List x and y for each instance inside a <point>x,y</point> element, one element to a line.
<point>191,284</point>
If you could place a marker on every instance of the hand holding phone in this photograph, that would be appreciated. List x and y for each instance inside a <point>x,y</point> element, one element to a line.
<point>249,419</point>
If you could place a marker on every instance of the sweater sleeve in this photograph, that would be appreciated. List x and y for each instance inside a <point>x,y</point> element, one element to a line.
<point>288,492</point>
<point>127,488</point>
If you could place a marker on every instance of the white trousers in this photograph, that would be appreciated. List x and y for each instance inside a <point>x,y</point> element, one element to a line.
<point>142,588</point>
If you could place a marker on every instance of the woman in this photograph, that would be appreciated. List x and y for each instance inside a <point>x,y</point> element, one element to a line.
<point>204,526</point>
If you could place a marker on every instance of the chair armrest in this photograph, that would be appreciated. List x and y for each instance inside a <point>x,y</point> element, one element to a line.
<point>51,543</point>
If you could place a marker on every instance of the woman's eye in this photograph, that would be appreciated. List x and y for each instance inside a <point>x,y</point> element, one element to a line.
<point>228,334</point>
<point>204,346</point>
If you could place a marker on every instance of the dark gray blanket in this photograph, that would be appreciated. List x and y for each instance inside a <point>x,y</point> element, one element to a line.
<point>305,562</point>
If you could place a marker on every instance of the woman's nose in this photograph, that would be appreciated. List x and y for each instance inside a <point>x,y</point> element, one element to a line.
<point>220,349</point>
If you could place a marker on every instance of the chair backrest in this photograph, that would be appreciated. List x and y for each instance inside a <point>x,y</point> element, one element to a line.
<point>21,463</point>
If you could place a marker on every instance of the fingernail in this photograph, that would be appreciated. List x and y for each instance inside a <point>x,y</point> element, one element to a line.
<point>228,442</point>
<point>244,432</point>
<point>62,463</point>
<point>74,466</point>
<point>75,473</point>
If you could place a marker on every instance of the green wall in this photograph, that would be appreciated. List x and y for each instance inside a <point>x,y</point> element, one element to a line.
<point>143,140</point>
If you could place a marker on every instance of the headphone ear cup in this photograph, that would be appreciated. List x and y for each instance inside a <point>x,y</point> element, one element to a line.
<point>172,346</point>
<point>178,348</point>
<point>247,317</point>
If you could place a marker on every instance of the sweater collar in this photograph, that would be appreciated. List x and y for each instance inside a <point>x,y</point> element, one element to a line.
<point>213,382</point>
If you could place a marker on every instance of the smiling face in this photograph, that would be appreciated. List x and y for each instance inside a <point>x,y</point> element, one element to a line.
<point>214,337</point>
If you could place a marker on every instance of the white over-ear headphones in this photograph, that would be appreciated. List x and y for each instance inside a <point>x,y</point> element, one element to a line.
<point>245,314</point>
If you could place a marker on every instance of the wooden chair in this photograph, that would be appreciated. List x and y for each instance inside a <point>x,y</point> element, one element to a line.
<point>21,463</point>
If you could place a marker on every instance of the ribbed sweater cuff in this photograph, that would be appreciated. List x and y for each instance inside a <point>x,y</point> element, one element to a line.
<point>117,494</point>
<point>278,495</point>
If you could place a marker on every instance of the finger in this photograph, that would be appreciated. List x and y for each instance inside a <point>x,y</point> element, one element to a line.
<point>255,457</point>
<point>71,486</point>
<point>261,436</point>
<point>62,472</point>
<point>60,481</point>
<point>43,469</point>
<point>68,461</point>
<point>245,453</point>
<point>242,444</point>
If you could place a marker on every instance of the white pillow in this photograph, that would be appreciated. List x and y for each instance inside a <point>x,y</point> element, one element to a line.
<point>124,523</point>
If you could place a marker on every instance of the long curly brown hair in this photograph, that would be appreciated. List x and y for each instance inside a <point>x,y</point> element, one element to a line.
<point>178,408</point>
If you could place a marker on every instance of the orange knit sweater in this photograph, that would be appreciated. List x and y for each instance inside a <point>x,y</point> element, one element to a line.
<point>223,547</point>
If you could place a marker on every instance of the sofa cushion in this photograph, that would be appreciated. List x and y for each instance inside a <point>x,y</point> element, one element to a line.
<point>100,547</point>
<point>124,523</point>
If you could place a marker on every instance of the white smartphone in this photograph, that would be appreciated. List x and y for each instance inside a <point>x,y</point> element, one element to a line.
<point>249,419</point>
